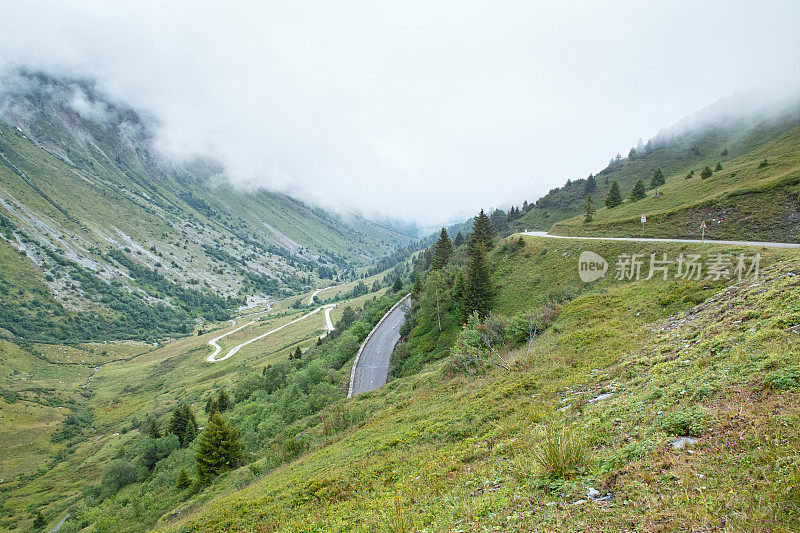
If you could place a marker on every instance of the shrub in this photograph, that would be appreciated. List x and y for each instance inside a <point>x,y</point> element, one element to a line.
<point>718,167</point>
<point>763,164</point>
<point>118,474</point>
<point>560,453</point>
<point>706,173</point>
<point>683,423</point>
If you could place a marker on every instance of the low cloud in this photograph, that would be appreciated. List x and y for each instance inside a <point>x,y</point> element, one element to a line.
<point>414,110</point>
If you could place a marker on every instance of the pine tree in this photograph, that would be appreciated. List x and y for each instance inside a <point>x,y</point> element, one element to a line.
<point>483,231</point>
<point>591,185</point>
<point>219,449</point>
<point>39,521</point>
<point>459,240</point>
<point>718,167</point>
<point>478,292</point>
<point>706,173</point>
<point>183,425</point>
<point>224,400</point>
<point>500,222</point>
<point>183,479</point>
<point>638,191</point>
<point>658,178</point>
<point>298,354</point>
<point>442,251</point>
<point>398,284</point>
<point>153,429</point>
<point>589,209</point>
<point>614,197</point>
<point>211,405</point>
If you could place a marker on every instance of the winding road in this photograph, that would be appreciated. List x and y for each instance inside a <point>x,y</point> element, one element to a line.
<point>651,239</point>
<point>371,366</point>
<point>217,349</point>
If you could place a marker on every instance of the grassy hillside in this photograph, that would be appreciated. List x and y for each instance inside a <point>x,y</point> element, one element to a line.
<point>622,371</point>
<point>739,143</point>
<point>70,414</point>
<point>112,227</point>
<point>753,197</point>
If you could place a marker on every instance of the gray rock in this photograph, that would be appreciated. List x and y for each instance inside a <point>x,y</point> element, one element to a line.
<point>681,442</point>
<point>605,396</point>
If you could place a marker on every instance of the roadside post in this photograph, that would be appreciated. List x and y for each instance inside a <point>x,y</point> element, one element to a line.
<point>644,219</point>
<point>703,227</point>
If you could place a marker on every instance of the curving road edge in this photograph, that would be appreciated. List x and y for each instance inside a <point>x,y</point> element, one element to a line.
<point>353,377</point>
<point>654,239</point>
<point>213,342</point>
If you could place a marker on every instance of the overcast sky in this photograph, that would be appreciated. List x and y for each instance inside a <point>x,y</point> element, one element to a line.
<point>422,110</point>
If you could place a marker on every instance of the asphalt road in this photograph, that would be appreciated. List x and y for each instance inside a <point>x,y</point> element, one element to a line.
<point>646,239</point>
<point>372,367</point>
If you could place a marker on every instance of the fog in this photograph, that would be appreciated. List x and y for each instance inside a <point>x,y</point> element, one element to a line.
<point>424,111</point>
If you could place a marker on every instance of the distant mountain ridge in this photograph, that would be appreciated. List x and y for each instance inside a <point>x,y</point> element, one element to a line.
<point>84,193</point>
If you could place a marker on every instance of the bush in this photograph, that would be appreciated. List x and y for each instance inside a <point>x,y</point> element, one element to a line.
<point>560,453</point>
<point>117,474</point>
<point>706,173</point>
<point>683,423</point>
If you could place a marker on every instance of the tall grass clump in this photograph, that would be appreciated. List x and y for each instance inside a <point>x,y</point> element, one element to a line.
<point>560,453</point>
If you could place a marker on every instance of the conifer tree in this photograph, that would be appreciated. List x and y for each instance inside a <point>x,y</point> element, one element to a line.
<point>153,429</point>
<point>718,167</point>
<point>657,180</point>
<point>224,400</point>
<point>219,449</point>
<point>297,353</point>
<point>39,521</point>
<point>211,405</point>
<point>638,191</point>
<point>483,231</point>
<point>183,479</point>
<point>589,209</point>
<point>499,222</point>
<point>614,197</point>
<point>398,284</point>
<point>183,425</point>
<point>442,251</point>
<point>478,291</point>
<point>591,185</point>
<point>706,173</point>
<point>459,240</point>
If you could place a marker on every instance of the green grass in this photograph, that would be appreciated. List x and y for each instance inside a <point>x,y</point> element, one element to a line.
<point>134,380</point>
<point>744,201</point>
<point>460,452</point>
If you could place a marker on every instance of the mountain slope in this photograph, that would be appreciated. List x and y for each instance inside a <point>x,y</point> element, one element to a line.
<point>730,132</point>
<point>625,368</point>
<point>85,195</point>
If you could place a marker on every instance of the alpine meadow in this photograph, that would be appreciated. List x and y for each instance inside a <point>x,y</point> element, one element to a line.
<point>399,267</point>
